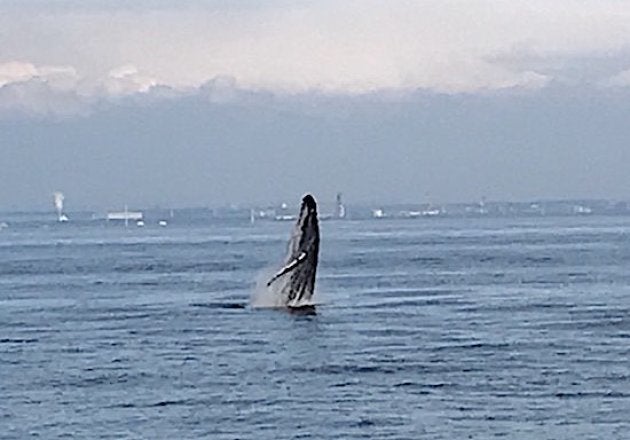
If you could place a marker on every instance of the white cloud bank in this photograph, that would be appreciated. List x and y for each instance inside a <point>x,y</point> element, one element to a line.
<point>622,79</point>
<point>60,77</point>
<point>350,47</point>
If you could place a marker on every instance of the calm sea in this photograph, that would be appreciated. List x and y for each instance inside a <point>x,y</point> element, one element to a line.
<point>431,329</point>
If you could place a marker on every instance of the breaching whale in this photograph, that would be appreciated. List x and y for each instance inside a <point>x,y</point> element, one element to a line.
<point>295,282</point>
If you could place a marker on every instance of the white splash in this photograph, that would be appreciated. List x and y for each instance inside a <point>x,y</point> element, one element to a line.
<point>58,199</point>
<point>271,297</point>
<point>265,296</point>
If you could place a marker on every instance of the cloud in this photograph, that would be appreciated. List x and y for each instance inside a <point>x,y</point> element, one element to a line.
<point>36,97</point>
<point>353,47</point>
<point>61,77</point>
<point>49,90</point>
<point>39,90</point>
<point>621,79</point>
<point>127,80</point>
<point>16,72</point>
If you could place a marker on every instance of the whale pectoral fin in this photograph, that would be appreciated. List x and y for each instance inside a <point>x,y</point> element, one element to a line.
<point>289,267</point>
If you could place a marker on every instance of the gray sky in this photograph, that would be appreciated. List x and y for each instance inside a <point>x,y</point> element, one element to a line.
<point>212,102</point>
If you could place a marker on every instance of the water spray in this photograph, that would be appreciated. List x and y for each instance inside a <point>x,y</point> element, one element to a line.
<point>58,201</point>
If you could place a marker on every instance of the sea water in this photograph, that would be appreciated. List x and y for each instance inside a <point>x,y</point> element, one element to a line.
<point>427,328</point>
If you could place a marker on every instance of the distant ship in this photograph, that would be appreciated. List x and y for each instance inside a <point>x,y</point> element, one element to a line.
<point>378,213</point>
<point>285,218</point>
<point>431,212</point>
<point>413,214</point>
<point>126,216</point>
<point>580,209</point>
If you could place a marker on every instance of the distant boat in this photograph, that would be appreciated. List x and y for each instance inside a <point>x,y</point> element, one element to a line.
<point>285,218</point>
<point>431,212</point>
<point>413,214</point>
<point>378,213</point>
<point>579,209</point>
<point>126,216</point>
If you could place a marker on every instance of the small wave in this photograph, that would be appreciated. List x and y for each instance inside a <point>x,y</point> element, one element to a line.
<point>471,346</point>
<point>414,302</point>
<point>217,305</point>
<point>169,403</point>
<point>18,340</point>
<point>592,394</point>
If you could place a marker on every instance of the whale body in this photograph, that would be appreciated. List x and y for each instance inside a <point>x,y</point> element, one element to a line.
<point>295,281</point>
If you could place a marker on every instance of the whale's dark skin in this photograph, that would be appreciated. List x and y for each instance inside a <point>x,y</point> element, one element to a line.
<point>295,282</point>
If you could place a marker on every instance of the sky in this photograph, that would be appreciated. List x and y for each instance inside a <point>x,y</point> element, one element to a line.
<point>205,103</point>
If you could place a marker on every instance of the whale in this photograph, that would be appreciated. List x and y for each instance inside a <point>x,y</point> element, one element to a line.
<point>294,283</point>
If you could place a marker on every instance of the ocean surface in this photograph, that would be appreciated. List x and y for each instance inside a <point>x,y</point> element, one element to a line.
<point>429,328</point>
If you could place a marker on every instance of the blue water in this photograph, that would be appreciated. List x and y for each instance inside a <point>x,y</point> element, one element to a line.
<point>433,329</point>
